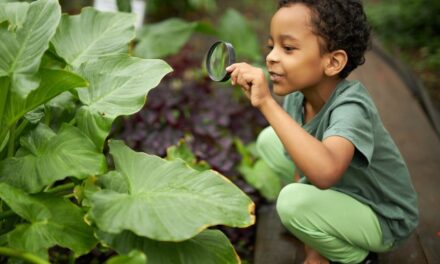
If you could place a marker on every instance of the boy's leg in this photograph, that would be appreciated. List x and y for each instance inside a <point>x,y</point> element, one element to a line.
<point>271,151</point>
<point>336,225</point>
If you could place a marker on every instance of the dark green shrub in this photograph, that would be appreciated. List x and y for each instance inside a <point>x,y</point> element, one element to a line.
<point>410,26</point>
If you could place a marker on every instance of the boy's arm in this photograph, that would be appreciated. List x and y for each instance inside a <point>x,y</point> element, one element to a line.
<point>322,162</point>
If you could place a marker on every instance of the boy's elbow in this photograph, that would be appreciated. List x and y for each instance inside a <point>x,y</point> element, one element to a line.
<point>327,179</point>
<point>323,186</point>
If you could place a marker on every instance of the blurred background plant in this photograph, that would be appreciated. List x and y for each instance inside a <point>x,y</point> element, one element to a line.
<point>410,29</point>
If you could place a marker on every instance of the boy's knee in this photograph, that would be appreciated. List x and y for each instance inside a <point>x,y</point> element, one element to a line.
<point>292,202</point>
<point>283,204</point>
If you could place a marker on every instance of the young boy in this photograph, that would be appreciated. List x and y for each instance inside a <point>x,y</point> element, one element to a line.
<point>355,194</point>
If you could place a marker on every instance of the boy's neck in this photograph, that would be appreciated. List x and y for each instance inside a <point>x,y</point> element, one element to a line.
<point>316,97</point>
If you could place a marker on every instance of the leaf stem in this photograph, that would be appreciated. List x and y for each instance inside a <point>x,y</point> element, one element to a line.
<point>22,255</point>
<point>48,115</point>
<point>73,121</point>
<point>48,187</point>
<point>70,195</point>
<point>60,188</point>
<point>3,151</point>
<point>4,92</point>
<point>22,126</point>
<point>11,144</point>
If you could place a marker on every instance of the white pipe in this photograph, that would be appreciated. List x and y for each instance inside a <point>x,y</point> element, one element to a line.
<point>137,7</point>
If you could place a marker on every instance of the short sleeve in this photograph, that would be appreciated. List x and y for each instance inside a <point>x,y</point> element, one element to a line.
<point>353,122</point>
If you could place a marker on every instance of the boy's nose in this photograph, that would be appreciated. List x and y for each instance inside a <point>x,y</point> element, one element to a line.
<point>272,57</point>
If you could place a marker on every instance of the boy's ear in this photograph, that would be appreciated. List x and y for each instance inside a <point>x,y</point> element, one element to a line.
<point>336,62</point>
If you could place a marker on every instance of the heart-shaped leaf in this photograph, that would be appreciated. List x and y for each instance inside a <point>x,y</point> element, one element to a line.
<point>118,86</point>
<point>15,13</point>
<point>53,83</point>
<point>134,257</point>
<point>183,151</point>
<point>46,157</point>
<point>256,171</point>
<point>208,247</point>
<point>50,221</point>
<point>164,38</point>
<point>22,49</point>
<point>250,48</point>
<point>262,178</point>
<point>208,5</point>
<point>167,200</point>
<point>93,34</point>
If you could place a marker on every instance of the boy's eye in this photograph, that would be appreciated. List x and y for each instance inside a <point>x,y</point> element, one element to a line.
<point>288,48</point>
<point>270,47</point>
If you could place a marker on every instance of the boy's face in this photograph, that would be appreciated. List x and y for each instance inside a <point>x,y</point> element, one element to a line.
<point>294,61</point>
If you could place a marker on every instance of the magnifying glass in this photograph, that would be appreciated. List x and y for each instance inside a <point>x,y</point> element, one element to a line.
<point>220,55</point>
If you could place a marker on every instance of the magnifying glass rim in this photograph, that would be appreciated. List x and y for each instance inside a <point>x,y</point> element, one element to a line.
<point>231,60</point>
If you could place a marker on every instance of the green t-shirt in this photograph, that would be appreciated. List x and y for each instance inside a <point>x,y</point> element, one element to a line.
<point>377,175</point>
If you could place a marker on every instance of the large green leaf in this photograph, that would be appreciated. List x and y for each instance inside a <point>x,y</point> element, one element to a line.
<point>256,171</point>
<point>164,38</point>
<point>46,157</point>
<point>115,181</point>
<point>236,29</point>
<point>118,86</point>
<point>14,13</point>
<point>53,83</point>
<point>94,124</point>
<point>134,257</point>
<point>208,5</point>
<point>183,151</point>
<point>93,34</point>
<point>262,178</point>
<point>209,247</point>
<point>21,50</point>
<point>167,200</point>
<point>50,221</point>
<point>63,102</point>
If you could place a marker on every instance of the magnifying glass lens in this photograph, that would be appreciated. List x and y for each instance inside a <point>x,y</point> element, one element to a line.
<point>219,60</point>
<point>220,55</point>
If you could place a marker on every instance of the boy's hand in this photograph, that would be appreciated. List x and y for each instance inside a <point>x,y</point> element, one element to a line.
<point>252,82</point>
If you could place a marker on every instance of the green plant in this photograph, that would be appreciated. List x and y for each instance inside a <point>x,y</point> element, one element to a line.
<point>256,172</point>
<point>234,28</point>
<point>167,37</point>
<point>162,9</point>
<point>410,26</point>
<point>164,38</point>
<point>63,81</point>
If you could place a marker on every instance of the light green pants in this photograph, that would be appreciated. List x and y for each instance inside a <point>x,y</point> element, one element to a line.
<point>336,225</point>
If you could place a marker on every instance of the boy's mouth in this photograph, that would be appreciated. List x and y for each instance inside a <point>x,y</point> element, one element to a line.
<point>275,77</point>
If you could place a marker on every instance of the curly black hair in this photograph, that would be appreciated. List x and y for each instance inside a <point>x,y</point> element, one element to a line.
<point>342,24</point>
